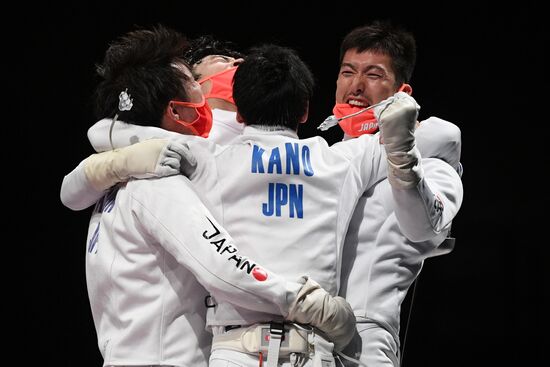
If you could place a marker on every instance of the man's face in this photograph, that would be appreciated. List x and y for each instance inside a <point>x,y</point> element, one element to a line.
<point>365,78</point>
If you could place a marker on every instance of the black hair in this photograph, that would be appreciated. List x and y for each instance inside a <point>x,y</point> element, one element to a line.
<point>386,38</point>
<point>143,62</point>
<point>207,45</point>
<point>272,87</point>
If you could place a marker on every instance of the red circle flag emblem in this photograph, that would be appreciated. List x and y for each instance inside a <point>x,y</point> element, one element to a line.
<point>259,273</point>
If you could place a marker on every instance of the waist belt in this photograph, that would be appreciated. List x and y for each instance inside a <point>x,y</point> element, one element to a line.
<point>255,338</point>
<point>277,339</point>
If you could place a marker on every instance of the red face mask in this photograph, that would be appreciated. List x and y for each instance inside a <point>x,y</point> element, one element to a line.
<point>363,123</point>
<point>222,85</point>
<point>203,123</point>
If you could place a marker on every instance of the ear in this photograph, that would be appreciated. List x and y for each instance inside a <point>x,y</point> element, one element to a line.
<point>406,88</point>
<point>240,118</point>
<point>305,116</point>
<point>171,112</point>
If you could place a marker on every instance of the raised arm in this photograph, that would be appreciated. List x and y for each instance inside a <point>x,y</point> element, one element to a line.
<point>428,208</point>
<point>427,192</point>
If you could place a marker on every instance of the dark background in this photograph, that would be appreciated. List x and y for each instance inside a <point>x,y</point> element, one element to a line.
<point>482,67</point>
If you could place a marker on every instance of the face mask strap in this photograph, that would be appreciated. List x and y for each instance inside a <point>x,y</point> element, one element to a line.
<point>190,104</point>
<point>196,106</point>
<point>203,120</point>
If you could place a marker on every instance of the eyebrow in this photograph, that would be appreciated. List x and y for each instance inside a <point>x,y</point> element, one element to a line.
<point>347,64</point>
<point>369,68</point>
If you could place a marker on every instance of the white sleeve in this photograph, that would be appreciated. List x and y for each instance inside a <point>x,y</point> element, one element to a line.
<point>428,209</point>
<point>437,138</point>
<point>425,211</point>
<point>189,232</point>
<point>76,191</point>
<point>123,134</point>
<point>367,158</point>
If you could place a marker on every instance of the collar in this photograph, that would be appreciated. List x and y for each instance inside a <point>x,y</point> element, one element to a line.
<point>269,130</point>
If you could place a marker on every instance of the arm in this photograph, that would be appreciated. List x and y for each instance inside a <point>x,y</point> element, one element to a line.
<point>427,209</point>
<point>89,180</point>
<point>82,187</point>
<point>437,138</point>
<point>77,193</point>
<point>367,159</point>
<point>187,230</point>
<point>427,193</point>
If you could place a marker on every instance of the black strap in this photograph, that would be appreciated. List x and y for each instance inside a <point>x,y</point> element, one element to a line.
<point>209,302</point>
<point>231,327</point>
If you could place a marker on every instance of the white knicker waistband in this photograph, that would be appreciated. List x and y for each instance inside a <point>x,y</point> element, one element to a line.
<point>255,338</point>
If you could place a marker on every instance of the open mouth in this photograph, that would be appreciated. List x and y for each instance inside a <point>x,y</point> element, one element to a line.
<point>357,103</point>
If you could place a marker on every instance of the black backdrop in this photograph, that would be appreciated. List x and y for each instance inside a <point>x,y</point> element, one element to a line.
<point>481,67</point>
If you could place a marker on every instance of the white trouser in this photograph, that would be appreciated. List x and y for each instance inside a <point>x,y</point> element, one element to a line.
<point>231,358</point>
<point>373,345</point>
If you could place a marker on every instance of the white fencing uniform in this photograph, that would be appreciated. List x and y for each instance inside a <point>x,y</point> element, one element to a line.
<point>289,201</point>
<point>225,126</point>
<point>379,262</point>
<point>279,179</point>
<point>148,243</point>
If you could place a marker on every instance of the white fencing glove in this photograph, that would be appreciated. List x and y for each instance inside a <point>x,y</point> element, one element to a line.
<point>149,158</point>
<point>332,315</point>
<point>397,120</point>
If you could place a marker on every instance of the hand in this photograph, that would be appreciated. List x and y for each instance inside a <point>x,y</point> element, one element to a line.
<point>179,150</point>
<point>397,119</point>
<point>149,158</point>
<point>332,315</point>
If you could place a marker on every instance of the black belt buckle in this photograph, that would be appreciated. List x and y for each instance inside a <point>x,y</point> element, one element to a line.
<point>277,328</point>
<point>209,302</point>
